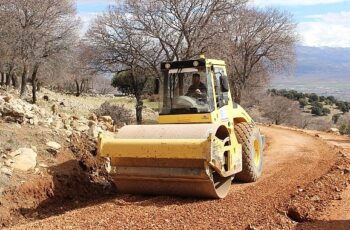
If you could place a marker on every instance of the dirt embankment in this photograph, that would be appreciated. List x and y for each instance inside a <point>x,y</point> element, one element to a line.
<point>76,179</point>
<point>302,176</point>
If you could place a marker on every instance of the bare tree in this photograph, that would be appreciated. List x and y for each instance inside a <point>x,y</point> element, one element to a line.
<point>184,28</point>
<point>255,90</point>
<point>119,48</point>
<point>102,84</point>
<point>280,110</point>
<point>9,46</point>
<point>42,29</point>
<point>256,42</point>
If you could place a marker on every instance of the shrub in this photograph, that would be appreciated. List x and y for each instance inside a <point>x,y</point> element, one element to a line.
<point>344,124</point>
<point>326,111</point>
<point>343,106</point>
<point>118,113</point>
<point>318,111</point>
<point>314,97</point>
<point>317,104</point>
<point>303,102</point>
<point>280,110</point>
<point>335,118</point>
<point>331,99</point>
<point>320,124</point>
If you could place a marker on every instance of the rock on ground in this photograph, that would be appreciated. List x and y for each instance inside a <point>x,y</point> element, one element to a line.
<point>53,145</point>
<point>6,171</point>
<point>24,159</point>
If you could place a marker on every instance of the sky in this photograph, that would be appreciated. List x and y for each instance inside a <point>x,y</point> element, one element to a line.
<point>320,22</point>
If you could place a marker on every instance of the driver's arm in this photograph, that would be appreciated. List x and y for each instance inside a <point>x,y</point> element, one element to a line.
<point>191,90</point>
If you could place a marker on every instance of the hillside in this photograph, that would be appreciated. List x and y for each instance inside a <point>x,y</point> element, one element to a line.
<point>322,70</point>
<point>323,63</point>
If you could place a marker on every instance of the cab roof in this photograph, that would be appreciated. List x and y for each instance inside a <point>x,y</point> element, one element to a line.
<point>201,62</point>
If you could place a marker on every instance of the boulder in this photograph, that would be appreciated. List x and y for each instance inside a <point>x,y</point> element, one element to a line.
<point>24,159</point>
<point>94,131</point>
<point>13,112</point>
<point>333,130</point>
<point>34,121</point>
<point>106,119</point>
<point>7,98</point>
<point>8,162</point>
<point>82,128</point>
<point>68,133</point>
<point>53,145</point>
<point>93,117</point>
<point>110,127</point>
<point>91,123</point>
<point>42,165</point>
<point>6,171</point>
<point>49,121</point>
<point>57,124</point>
<point>74,117</point>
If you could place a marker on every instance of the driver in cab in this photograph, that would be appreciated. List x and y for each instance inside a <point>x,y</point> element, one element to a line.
<point>197,89</point>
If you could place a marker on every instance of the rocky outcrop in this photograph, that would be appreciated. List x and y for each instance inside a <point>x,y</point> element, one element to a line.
<point>22,112</point>
<point>19,111</point>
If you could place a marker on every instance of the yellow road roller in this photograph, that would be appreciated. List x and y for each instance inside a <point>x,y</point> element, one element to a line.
<point>201,142</point>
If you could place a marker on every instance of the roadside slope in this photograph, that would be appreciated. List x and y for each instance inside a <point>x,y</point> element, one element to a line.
<point>337,214</point>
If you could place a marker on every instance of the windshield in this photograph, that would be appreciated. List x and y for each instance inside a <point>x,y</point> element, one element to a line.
<point>186,91</point>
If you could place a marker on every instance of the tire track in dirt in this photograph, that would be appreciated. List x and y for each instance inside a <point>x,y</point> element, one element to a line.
<point>292,159</point>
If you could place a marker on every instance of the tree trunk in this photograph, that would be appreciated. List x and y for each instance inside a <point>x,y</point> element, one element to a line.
<point>139,106</point>
<point>38,86</point>
<point>237,95</point>
<point>34,82</point>
<point>77,88</point>
<point>82,86</point>
<point>8,76</point>
<point>24,81</point>
<point>2,82</point>
<point>14,81</point>
<point>8,79</point>
<point>236,90</point>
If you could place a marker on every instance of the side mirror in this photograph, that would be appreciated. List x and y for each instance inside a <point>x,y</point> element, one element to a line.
<point>156,85</point>
<point>224,84</point>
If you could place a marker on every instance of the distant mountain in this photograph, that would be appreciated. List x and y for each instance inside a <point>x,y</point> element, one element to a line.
<point>322,70</point>
<point>323,62</point>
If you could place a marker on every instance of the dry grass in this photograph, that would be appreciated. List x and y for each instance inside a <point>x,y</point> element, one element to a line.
<point>84,105</point>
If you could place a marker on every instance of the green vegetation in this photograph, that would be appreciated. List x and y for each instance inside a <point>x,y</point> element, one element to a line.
<point>318,105</point>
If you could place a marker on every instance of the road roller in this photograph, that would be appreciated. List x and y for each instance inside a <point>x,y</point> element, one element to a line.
<point>202,141</point>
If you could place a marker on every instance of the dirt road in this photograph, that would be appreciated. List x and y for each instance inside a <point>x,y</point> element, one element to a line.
<point>293,160</point>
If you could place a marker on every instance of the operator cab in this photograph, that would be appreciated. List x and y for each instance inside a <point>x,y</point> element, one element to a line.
<point>186,87</point>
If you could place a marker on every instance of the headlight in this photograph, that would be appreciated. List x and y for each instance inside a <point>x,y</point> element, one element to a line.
<point>167,65</point>
<point>195,63</point>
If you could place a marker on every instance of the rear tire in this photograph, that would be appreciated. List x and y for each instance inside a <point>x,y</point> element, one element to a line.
<point>248,135</point>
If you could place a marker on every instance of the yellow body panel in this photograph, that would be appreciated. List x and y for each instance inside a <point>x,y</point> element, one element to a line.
<point>211,62</point>
<point>155,148</point>
<point>240,114</point>
<point>185,118</point>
